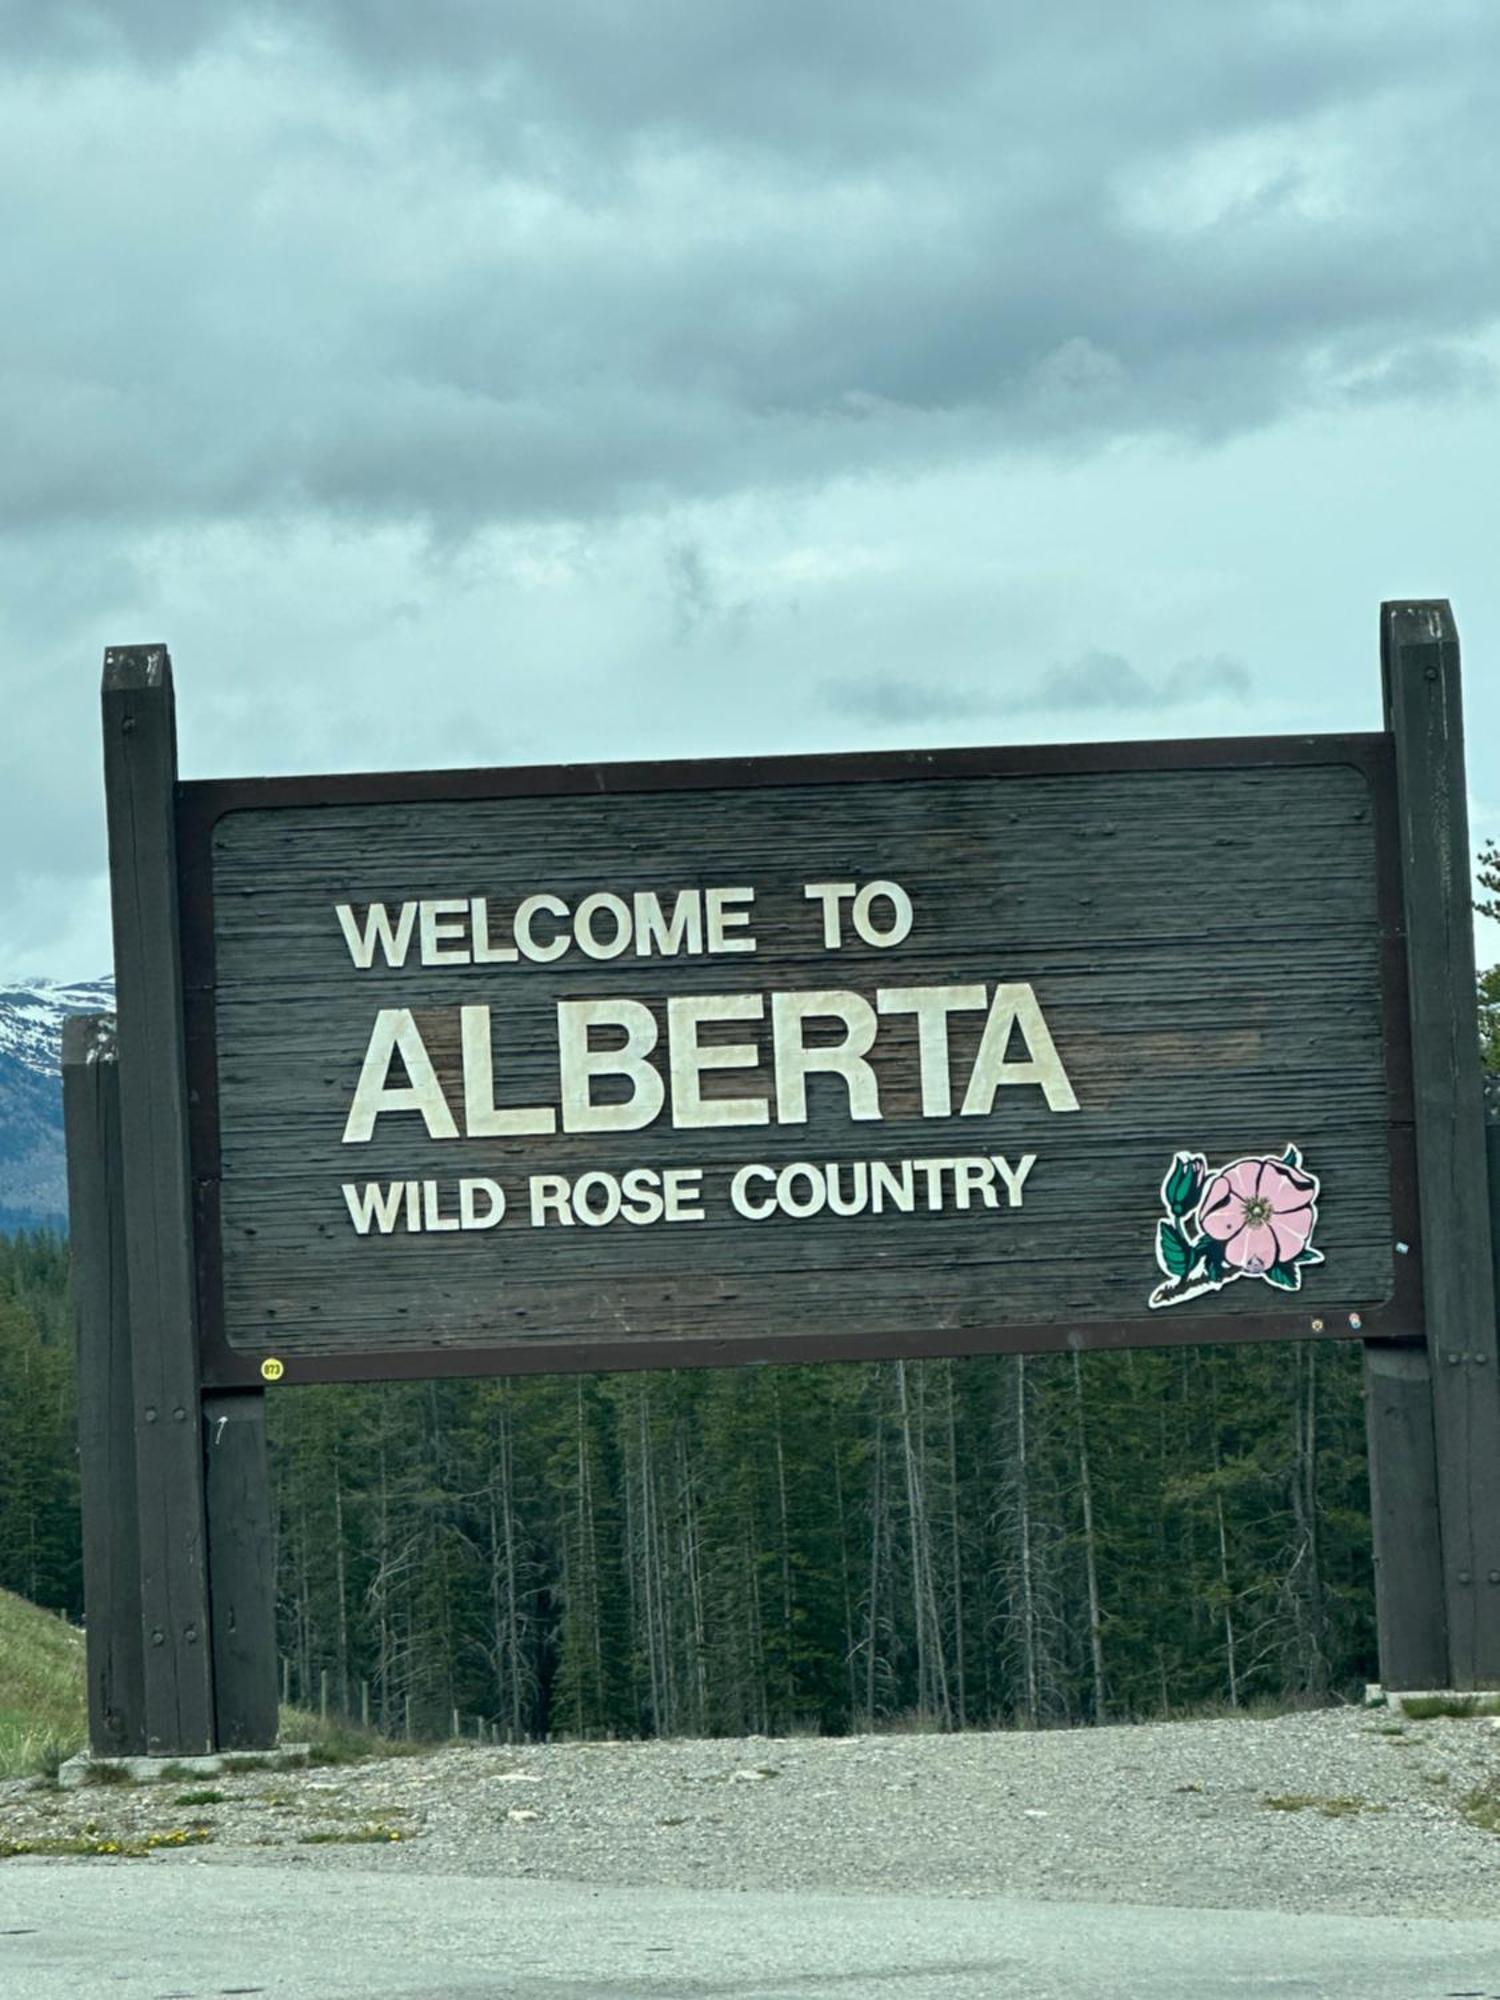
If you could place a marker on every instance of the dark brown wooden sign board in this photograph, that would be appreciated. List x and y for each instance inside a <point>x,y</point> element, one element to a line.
<point>796,1059</point>
<point>1116,954</point>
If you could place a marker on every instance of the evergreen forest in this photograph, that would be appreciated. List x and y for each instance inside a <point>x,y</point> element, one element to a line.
<point>939,1544</point>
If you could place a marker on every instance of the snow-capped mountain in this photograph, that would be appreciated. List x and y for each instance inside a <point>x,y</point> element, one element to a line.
<point>33,1167</point>
<point>32,1016</point>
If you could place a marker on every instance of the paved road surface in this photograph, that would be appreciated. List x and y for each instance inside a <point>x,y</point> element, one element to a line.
<point>175,1927</point>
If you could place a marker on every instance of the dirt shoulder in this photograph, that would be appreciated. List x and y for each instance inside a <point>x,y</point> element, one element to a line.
<point>1341,1810</point>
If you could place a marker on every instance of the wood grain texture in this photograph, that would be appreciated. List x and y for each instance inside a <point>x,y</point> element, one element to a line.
<point>242,1569</point>
<point>1424,706</point>
<point>140,760</point>
<point>106,1426</point>
<point>1410,1604</point>
<point>1206,944</point>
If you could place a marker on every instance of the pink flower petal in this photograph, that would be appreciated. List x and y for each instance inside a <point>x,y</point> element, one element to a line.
<point>1291,1228</point>
<point>1221,1213</point>
<point>1253,1250</point>
<point>1244,1177</point>
<point>1283,1187</point>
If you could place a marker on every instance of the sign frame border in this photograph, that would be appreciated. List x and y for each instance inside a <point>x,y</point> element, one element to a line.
<point>202,803</point>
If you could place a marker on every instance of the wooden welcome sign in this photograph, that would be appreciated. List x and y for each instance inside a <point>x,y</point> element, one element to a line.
<point>627,1066</point>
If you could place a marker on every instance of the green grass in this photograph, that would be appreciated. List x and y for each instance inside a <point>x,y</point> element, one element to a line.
<point>339,1741</point>
<point>1425,1708</point>
<point>1482,1807</point>
<point>42,1715</point>
<point>95,1841</point>
<point>1218,1708</point>
<point>97,1772</point>
<point>352,1836</point>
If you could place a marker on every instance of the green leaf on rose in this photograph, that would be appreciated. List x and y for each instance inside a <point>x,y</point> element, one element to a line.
<point>1286,1276</point>
<point>1309,1256</point>
<point>1173,1250</point>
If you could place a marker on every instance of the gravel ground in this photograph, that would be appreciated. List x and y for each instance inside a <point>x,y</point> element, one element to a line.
<point>1371,1816</point>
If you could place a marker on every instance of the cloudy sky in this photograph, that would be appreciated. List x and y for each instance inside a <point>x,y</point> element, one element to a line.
<point>470,383</point>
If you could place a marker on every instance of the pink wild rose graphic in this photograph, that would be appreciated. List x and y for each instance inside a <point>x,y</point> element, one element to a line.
<point>1254,1219</point>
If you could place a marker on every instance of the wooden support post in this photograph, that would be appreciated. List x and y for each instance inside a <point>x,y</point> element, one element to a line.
<point>241,1568</point>
<point>106,1429</point>
<point>140,774</point>
<point>1410,1616</point>
<point>1424,713</point>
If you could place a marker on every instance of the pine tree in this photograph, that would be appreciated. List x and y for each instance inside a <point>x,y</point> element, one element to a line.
<point>39,1533</point>
<point>1488,905</point>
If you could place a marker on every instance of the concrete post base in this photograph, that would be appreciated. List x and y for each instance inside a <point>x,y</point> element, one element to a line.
<point>85,1769</point>
<point>1422,1705</point>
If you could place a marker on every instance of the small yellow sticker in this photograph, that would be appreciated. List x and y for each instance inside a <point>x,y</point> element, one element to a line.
<point>272,1370</point>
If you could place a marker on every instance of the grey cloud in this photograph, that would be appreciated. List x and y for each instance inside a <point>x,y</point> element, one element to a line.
<point>1422,371</point>
<point>781,71</point>
<point>467,264</point>
<point>755,67</point>
<point>73,32</point>
<point>896,699</point>
<point>1102,680</point>
<point>875,78</point>
<point>1094,681</point>
<point>698,598</point>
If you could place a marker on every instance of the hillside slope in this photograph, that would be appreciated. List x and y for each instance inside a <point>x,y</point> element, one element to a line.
<point>41,1685</point>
